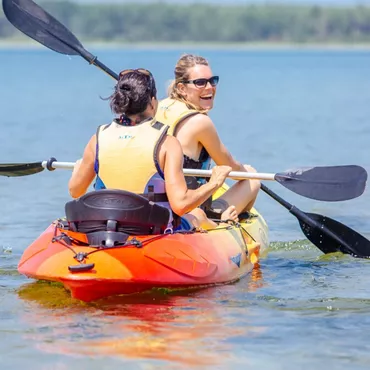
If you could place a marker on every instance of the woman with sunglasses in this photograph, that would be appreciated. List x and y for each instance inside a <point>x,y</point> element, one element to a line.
<point>191,97</point>
<point>134,153</point>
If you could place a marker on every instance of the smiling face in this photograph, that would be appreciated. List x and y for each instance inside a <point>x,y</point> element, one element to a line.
<point>201,97</point>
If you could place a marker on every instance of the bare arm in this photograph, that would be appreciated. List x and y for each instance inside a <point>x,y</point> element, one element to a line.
<point>182,199</point>
<point>206,134</point>
<point>83,173</point>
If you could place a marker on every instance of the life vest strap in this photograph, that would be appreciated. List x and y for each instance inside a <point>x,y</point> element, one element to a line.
<point>155,197</point>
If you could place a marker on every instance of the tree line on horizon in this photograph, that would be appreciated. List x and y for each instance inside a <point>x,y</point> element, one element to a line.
<point>163,22</point>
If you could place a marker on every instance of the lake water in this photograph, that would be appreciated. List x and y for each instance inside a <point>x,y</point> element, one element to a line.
<point>276,110</point>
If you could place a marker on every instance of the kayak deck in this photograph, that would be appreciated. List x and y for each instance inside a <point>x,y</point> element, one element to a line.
<point>178,260</point>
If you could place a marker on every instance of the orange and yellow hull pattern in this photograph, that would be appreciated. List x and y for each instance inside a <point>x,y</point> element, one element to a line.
<point>170,261</point>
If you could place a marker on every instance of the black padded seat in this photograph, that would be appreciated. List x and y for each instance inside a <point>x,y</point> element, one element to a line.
<point>116,210</point>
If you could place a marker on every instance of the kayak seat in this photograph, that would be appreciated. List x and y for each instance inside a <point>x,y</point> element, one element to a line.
<point>115,212</point>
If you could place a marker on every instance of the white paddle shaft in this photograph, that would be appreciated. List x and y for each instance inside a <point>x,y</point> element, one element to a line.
<point>235,175</point>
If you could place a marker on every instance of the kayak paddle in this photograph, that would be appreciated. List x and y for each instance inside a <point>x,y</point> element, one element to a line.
<point>327,183</point>
<point>331,183</point>
<point>39,25</point>
<point>327,234</point>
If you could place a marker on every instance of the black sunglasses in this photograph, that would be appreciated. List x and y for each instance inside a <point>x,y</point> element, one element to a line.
<point>202,82</point>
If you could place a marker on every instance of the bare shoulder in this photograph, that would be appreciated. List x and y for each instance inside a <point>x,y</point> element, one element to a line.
<point>91,145</point>
<point>197,123</point>
<point>93,140</point>
<point>200,119</point>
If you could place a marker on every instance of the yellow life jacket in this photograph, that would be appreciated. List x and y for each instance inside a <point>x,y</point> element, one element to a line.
<point>171,112</point>
<point>127,159</point>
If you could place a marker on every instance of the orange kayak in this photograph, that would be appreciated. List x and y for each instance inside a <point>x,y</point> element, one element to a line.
<point>95,259</point>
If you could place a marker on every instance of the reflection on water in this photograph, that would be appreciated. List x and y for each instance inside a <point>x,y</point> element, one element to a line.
<point>296,299</point>
<point>185,327</point>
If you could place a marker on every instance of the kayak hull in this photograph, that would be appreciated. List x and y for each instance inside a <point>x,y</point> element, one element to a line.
<point>173,261</point>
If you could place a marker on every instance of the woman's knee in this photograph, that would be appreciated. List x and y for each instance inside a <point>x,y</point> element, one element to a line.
<point>249,168</point>
<point>254,184</point>
<point>199,213</point>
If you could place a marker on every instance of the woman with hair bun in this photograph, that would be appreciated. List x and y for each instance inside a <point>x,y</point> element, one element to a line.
<point>134,153</point>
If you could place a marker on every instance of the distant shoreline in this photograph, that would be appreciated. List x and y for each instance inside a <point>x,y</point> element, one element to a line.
<point>25,45</point>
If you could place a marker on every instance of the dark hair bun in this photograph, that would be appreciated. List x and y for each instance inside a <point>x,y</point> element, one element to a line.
<point>133,93</point>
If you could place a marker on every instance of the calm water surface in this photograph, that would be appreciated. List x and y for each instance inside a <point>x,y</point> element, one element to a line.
<point>275,110</point>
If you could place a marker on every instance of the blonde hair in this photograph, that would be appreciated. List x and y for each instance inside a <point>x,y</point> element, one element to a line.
<point>183,65</point>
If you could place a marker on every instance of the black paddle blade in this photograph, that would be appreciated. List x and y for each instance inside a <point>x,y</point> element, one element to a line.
<point>332,183</point>
<point>20,169</point>
<point>36,23</point>
<point>337,238</point>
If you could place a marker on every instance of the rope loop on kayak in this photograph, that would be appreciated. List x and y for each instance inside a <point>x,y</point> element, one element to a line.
<point>169,230</point>
<point>67,240</point>
<point>237,225</point>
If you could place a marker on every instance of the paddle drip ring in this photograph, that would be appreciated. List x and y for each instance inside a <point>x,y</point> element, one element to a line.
<point>49,163</point>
